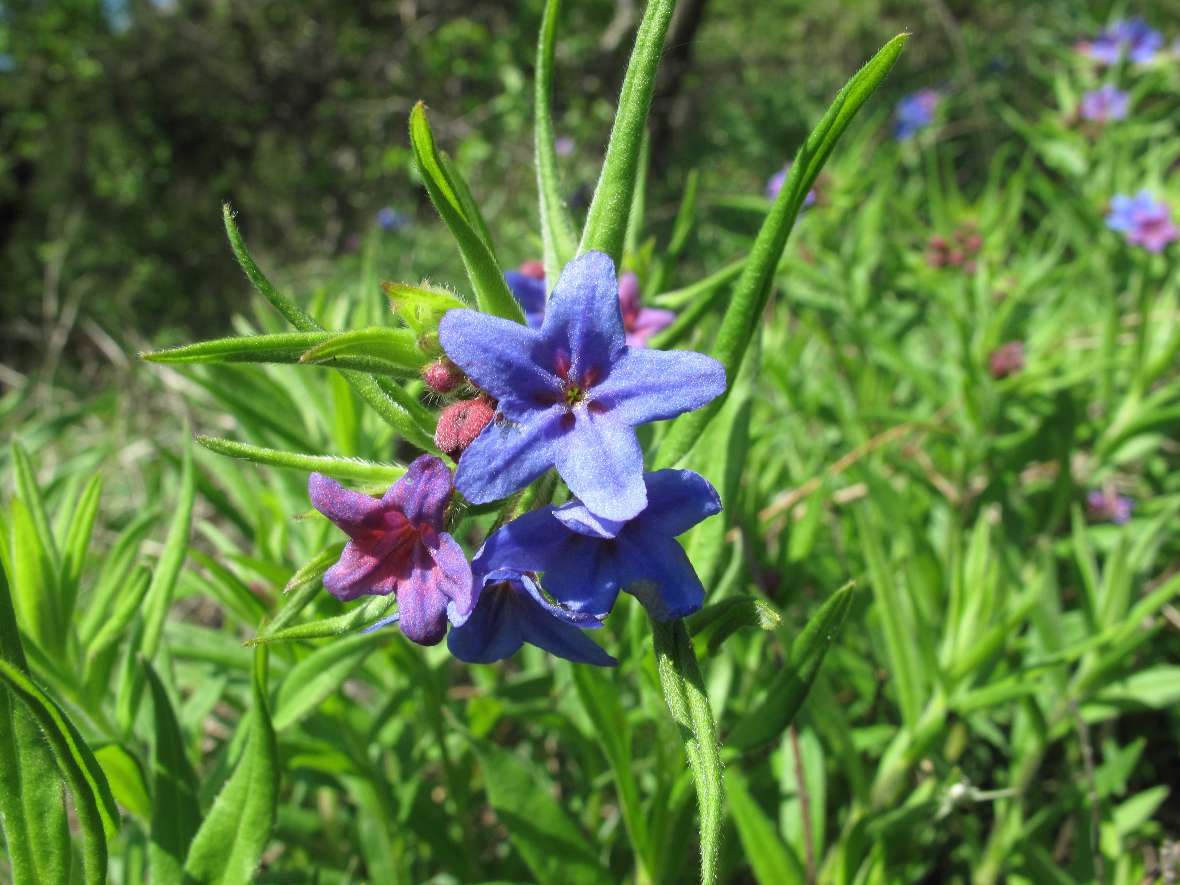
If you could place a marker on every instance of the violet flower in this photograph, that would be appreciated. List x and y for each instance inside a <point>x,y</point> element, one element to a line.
<point>1105,104</point>
<point>571,393</point>
<point>398,546</point>
<point>639,322</point>
<point>529,292</point>
<point>512,611</point>
<point>1143,220</point>
<point>390,220</point>
<point>915,112</point>
<point>774,186</point>
<point>1109,506</point>
<point>586,559</point>
<point>1132,36</point>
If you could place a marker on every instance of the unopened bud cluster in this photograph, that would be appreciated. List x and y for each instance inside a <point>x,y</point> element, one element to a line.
<point>461,421</point>
<point>958,250</point>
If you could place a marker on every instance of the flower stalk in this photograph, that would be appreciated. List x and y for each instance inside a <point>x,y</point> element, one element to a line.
<point>684,693</point>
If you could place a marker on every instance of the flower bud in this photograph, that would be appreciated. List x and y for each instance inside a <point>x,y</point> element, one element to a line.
<point>534,269</point>
<point>1006,360</point>
<point>460,423</point>
<point>955,257</point>
<point>442,376</point>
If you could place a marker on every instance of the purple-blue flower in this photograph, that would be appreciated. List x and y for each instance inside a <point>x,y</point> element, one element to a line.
<point>639,322</point>
<point>1108,506</point>
<point>571,393</point>
<point>512,611</point>
<point>1143,220</point>
<point>585,560</point>
<point>915,112</point>
<point>398,546</point>
<point>390,220</point>
<point>775,184</point>
<point>1132,36</point>
<point>529,292</point>
<point>1105,104</point>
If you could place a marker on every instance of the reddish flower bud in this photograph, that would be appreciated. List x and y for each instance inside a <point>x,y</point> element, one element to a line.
<point>935,259</point>
<point>1006,360</point>
<point>969,266</point>
<point>460,423</point>
<point>973,243</point>
<point>534,269</point>
<point>955,256</point>
<point>938,242</point>
<point>442,376</point>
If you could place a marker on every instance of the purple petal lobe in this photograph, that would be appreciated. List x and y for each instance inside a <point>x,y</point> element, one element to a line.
<point>585,577</point>
<point>452,575</point>
<point>577,518</point>
<point>439,583</point>
<point>583,318</point>
<point>352,512</point>
<point>651,385</point>
<point>530,294</point>
<point>366,569</point>
<point>541,629</point>
<point>507,456</point>
<point>492,633</point>
<point>676,501</point>
<point>504,358</point>
<point>602,463</point>
<point>656,570</point>
<point>534,542</point>
<point>647,322</point>
<point>423,493</point>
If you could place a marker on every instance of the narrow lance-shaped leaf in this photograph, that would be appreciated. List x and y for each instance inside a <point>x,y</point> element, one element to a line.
<point>557,229</point>
<point>395,348</point>
<point>159,594</point>
<point>329,465</point>
<point>606,221</point>
<point>787,691</point>
<point>754,287</point>
<point>94,806</point>
<point>487,280</point>
<point>318,675</point>
<point>175,812</point>
<point>715,623</point>
<point>771,859</point>
<point>228,847</point>
<point>392,410</point>
<point>77,542</point>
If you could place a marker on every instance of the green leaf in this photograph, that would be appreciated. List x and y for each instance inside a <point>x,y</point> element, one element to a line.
<point>127,606</point>
<point>115,570</point>
<point>715,623</point>
<point>77,542</point>
<point>771,859</point>
<point>286,347</point>
<point>421,307</point>
<point>303,587</point>
<point>600,698</point>
<point>123,773</point>
<point>33,581</point>
<point>767,720</point>
<point>487,280</point>
<point>396,348</point>
<point>329,465</point>
<point>606,221</point>
<point>552,845</point>
<point>557,229</point>
<point>754,286</point>
<point>367,613</point>
<point>228,847</point>
<point>163,585</point>
<point>94,806</point>
<point>30,493</point>
<point>318,675</point>
<point>391,408</point>
<point>175,812</point>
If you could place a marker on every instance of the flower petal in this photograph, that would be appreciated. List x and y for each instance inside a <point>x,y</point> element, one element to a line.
<point>582,318</point>
<point>648,321</point>
<point>534,542</point>
<point>438,584</point>
<point>577,518</point>
<point>492,633</point>
<point>507,456</point>
<point>502,357</point>
<point>602,463</point>
<point>651,385</point>
<point>355,514</point>
<point>362,570</point>
<point>530,294</point>
<point>585,577</point>
<point>422,494</point>
<point>656,571</point>
<point>539,627</point>
<point>676,501</point>
<point>584,620</point>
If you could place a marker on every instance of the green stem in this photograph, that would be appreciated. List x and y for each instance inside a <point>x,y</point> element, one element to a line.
<point>684,693</point>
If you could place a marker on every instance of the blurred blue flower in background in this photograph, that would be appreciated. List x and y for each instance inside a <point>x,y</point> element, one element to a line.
<point>915,112</point>
<point>1105,104</point>
<point>390,220</point>
<point>564,145</point>
<point>1145,221</point>
<point>1132,36</point>
<point>776,182</point>
<point>1107,506</point>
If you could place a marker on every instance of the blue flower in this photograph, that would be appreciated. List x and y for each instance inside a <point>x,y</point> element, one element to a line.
<point>512,611</point>
<point>1132,36</point>
<point>585,560</point>
<point>398,546</point>
<point>915,112</point>
<point>1105,104</point>
<point>1145,221</point>
<point>775,184</point>
<point>390,220</point>
<point>571,393</point>
<point>529,292</point>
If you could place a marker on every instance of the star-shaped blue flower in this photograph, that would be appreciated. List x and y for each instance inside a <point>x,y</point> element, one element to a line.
<point>571,393</point>
<point>512,611</point>
<point>586,560</point>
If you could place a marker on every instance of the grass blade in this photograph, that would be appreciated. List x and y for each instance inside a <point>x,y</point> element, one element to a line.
<point>557,228</point>
<point>175,812</point>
